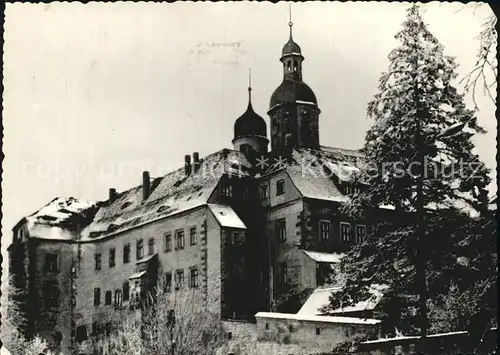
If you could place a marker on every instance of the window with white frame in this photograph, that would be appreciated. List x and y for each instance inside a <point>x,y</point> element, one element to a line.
<point>179,239</point>
<point>324,229</point>
<point>345,231</point>
<point>192,236</point>
<point>179,279</point>
<point>360,233</point>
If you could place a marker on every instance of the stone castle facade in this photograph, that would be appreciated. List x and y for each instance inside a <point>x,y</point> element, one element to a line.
<point>254,231</point>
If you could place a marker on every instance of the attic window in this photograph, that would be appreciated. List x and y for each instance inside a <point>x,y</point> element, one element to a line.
<point>227,191</point>
<point>49,218</point>
<point>162,208</point>
<point>178,182</point>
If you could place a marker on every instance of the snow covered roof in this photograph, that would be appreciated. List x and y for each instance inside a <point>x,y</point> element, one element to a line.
<point>412,337</point>
<point>314,172</point>
<point>321,297</point>
<point>137,275</point>
<point>146,259</point>
<point>170,194</point>
<point>333,258</point>
<point>61,218</point>
<point>319,319</point>
<point>226,216</point>
<point>387,207</point>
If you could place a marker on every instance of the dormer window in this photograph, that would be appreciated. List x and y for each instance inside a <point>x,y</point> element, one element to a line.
<point>227,191</point>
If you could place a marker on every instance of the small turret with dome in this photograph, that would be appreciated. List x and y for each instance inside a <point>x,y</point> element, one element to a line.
<point>250,129</point>
<point>293,107</point>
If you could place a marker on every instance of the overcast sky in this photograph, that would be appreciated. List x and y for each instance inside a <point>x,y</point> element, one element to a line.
<point>97,93</point>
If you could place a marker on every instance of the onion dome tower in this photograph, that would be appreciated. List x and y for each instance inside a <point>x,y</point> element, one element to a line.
<point>293,108</point>
<point>250,129</point>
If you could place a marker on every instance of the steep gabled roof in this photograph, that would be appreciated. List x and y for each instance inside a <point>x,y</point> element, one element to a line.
<point>171,194</point>
<point>61,218</point>
<point>315,173</point>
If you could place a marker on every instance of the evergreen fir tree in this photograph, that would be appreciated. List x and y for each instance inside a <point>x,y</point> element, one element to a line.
<point>415,103</point>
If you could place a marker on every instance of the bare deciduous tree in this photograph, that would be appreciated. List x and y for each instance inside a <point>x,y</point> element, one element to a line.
<point>175,323</point>
<point>484,72</point>
<point>12,323</point>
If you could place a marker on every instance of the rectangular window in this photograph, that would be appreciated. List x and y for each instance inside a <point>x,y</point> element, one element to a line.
<point>98,261</point>
<point>318,331</point>
<point>193,278</point>
<point>97,296</point>
<point>51,263</point>
<point>151,246</point>
<point>282,229</point>
<point>360,233</point>
<point>167,282</point>
<point>179,279</point>
<point>280,187</point>
<point>179,239</point>
<point>324,230</point>
<point>94,328</point>
<point>50,294</point>
<point>284,272</point>
<point>112,253</point>
<point>126,291</point>
<point>126,253</point>
<point>263,192</point>
<point>227,190</point>
<point>345,231</point>
<point>245,193</point>
<point>238,238</point>
<point>192,236</point>
<point>118,298</point>
<point>167,242</point>
<point>139,249</point>
<point>108,297</point>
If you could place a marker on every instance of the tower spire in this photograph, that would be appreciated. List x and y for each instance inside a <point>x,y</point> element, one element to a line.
<point>249,86</point>
<point>290,23</point>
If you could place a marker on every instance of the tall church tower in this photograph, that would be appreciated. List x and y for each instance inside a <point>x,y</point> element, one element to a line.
<point>293,108</point>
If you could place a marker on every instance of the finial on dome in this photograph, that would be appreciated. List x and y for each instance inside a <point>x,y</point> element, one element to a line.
<point>290,23</point>
<point>249,85</point>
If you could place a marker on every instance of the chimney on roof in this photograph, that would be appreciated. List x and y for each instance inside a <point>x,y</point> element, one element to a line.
<point>112,195</point>
<point>196,161</point>
<point>187,164</point>
<point>146,185</point>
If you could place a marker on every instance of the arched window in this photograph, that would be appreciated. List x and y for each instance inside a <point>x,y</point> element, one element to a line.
<point>295,65</point>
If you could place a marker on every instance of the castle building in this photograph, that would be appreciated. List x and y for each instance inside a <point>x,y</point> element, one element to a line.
<point>247,228</point>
